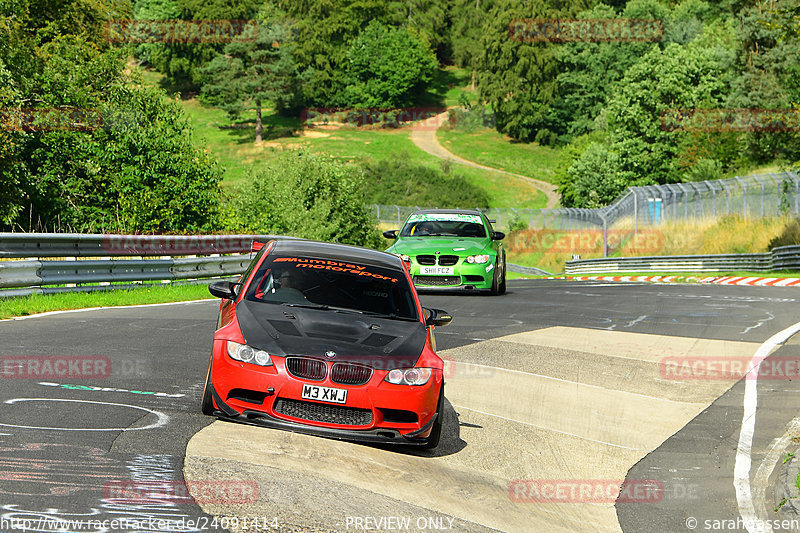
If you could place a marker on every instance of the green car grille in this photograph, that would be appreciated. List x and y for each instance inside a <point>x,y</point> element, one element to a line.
<point>444,260</point>
<point>437,281</point>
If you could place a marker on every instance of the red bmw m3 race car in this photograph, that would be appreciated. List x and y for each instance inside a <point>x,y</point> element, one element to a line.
<point>330,340</point>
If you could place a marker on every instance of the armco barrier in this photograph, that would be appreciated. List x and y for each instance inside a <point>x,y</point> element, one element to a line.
<point>783,258</point>
<point>36,276</point>
<point>19,245</point>
<point>529,271</point>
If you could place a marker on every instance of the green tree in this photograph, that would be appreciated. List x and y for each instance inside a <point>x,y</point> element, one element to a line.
<point>596,177</point>
<point>252,73</point>
<point>181,62</point>
<point>122,160</point>
<point>590,72</point>
<point>428,21</point>
<point>307,196</point>
<point>10,141</point>
<point>387,67</point>
<point>467,18</point>
<point>638,147</point>
<point>518,78</point>
<point>328,30</point>
<point>768,67</point>
<point>695,76</point>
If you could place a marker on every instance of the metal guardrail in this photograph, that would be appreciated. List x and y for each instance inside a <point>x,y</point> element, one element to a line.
<point>15,274</point>
<point>19,245</point>
<point>36,276</point>
<point>530,271</point>
<point>783,258</point>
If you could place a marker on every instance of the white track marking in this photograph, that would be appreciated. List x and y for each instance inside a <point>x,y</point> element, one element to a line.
<point>162,418</point>
<point>741,469</point>
<point>633,322</point>
<point>747,330</point>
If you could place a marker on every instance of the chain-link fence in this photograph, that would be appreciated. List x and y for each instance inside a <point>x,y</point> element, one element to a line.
<point>755,196</point>
<point>505,217</point>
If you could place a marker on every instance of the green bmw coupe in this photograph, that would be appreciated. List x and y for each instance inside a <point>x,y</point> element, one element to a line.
<point>451,249</point>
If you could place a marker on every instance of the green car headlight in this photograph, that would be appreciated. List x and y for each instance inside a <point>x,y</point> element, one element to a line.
<point>477,259</point>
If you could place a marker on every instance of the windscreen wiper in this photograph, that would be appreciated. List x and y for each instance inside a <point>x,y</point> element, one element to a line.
<point>391,316</point>
<point>307,306</point>
<point>323,307</point>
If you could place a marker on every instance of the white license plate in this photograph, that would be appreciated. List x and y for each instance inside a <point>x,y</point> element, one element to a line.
<point>436,271</point>
<point>324,394</point>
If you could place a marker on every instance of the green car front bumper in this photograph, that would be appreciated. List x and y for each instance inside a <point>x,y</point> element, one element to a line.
<point>463,276</point>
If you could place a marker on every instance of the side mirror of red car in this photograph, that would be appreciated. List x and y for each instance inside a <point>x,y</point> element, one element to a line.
<point>223,289</point>
<point>437,317</point>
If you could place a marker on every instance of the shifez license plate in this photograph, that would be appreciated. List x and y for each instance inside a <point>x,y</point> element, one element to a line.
<point>436,271</point>
<point>324,394</point>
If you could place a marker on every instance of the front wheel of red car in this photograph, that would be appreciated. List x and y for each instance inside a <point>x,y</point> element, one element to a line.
<point>207,403</point>
<point>436,430</point>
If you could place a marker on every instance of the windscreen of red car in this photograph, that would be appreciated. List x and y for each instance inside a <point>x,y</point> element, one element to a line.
<point>444,225</point>
<point>335,284</point>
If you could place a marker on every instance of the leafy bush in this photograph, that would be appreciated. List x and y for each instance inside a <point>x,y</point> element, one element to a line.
<point>387,67</point>
<point>306,196</point>
<point>471,119</point>
<point>402,182</point>
<point>113,155</point>
<point>789,236</point>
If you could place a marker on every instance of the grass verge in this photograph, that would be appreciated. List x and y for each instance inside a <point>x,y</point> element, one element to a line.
<point>42,303</point>
<point>232,143</point>
<point>488,147</point>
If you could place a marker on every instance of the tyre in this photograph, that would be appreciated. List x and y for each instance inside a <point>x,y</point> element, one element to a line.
<point>207,403</point>
<point>495,282</point>
<point>436,430</point>
<point>502,288</point>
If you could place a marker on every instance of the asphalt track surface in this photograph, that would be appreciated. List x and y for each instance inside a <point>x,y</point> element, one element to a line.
<point>556,384</point>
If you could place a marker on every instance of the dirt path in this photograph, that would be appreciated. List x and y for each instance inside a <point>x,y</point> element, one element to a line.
<point>426,140</point>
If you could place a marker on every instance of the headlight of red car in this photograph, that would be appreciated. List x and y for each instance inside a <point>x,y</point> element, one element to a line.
<point>248,354</point>
<point>409,376</point>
